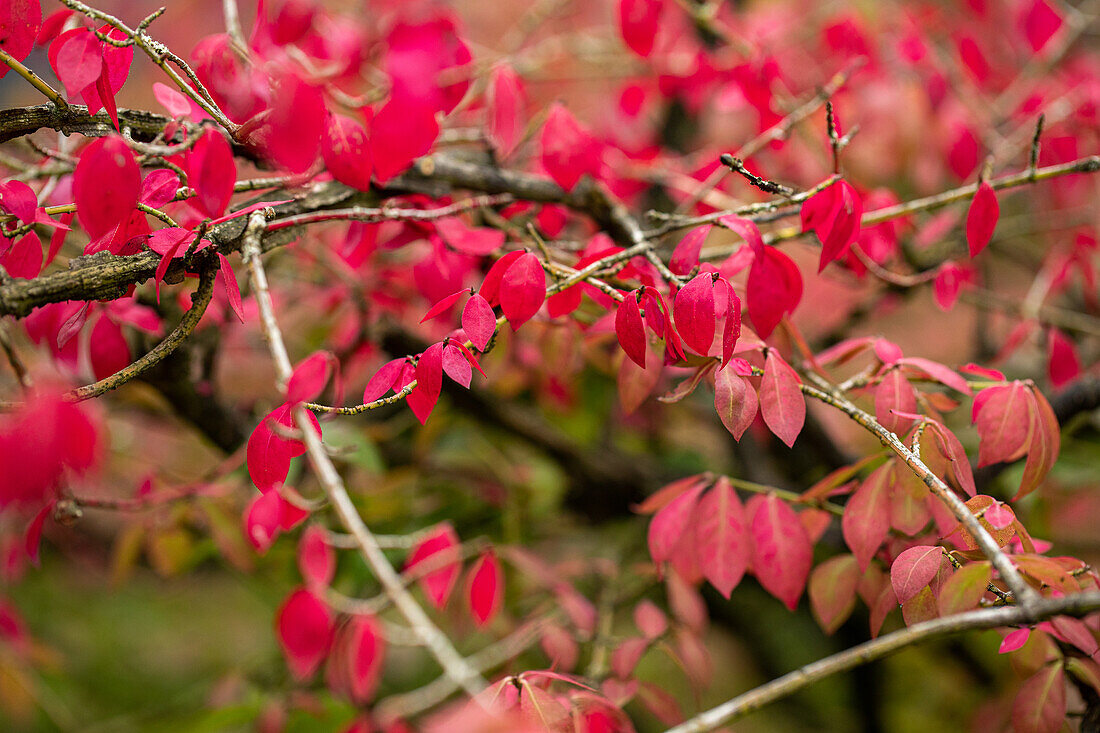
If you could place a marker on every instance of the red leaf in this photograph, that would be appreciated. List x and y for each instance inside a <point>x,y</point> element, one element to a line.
<point>77,58</point>
<point>261,520</point>
<point>24,258</point>
<point>568,150</point>
<point>232,290</point>
<point>522,290</point>
<point>782,552</point>
<point>832,591</point>
<point>366,654</point>
<point>937,371</point>
<point>981,220</point>
<point>735,401</point>
<point>964,589</point>
<point>33,537</point>
<point>914,569</point>
<point>291,133</point>
<point>669,524</point>
<point>268,454</point>
<point>316,558</point>
<point>630,329</point>
<point>478,321</point>
<point>438,550</point>
<point>866,519</point>
<point>1062,362</point>
<point>894,394</point>
<point>1000,417</point>
<point>310,377</point>
<point>843,229</point>
<point>722,537</point>
<point>456,366</point>
<point>773,290</point>
<point>304,628</point>
<point>693,310</point>
<point>106,185</point>
<point>469,240</point>
<point>1039,23</point>
<point>383,380</point>
<point>486,589</point>
<point>685,257</point>
<point>159,187</point>
<point>444,305</point>
<point>346,151</point>
<point>781,402</point>
<point>212,173</point>
<point>731,325</point>
<point>639,21</point>
<point>490,286</point>
<point>1040,705</point>
<point>504,100</point>
<point>402,131</point>
<point>429,382</point>
<point>950,279</point>
<point>19,21</point>
<point>1043,445</point>
<point>108,350</point>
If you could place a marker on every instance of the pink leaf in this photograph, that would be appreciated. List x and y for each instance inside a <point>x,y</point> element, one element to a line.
<point>346,151</point>
<point>1063,365</point>
<point>781,402</point>
<point>866,519</point>
<point>107,350</point>
<point>1014,640</point>
<point>693,310</point>
<point>894,395</point>
<point>438,551</point>
<point>469,240</point>
<point>486,589</point>
<point>731,325</point>
<point>429,382</point>
<point>24,259</point>
<point>490,286</point>
<point>781,550</point>
<point>159,187</point>
<point>310,377</point>
<point>914,569</point>
<point>106,185</point>
<point>261,521</point>
<point>568,150</point>
<point>735,401</point>
<point>981,220</point>
<point>998,416</point>
<point>367,651</point>
<point>456,366</point>
<point>774,290</point>
<point>33,537</point>
<point>669,524</point>
<point>268,454</point>
<point>402,131</point>
<point>478,321</point>
<point>844,227</point>
<point>832,591</point>
<point>291,133</point>
<point>444,305</point>
<point>522,290</point>
<point>650,620</point>
<point>212,173</point>
<point>232,289</point>
<point>937,371</point>
<point>722,537</point>
<point>383,380</point>
<point>77,58</point>
<point>20,21</point>
<point>1040,705</point>
<point>685,257</point>
<point>304,628</point>
<point>316,558</point>
<point>639,21</point>
<point>630,329</point>
<point>505,104</point>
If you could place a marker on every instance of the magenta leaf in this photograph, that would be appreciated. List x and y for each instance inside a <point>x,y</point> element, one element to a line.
<point>522,290</point>
<point>469,240</point>
<point>630,329</point>
<point>316,558</point>
<point>429,382</point>
<point>638,22</point>
<point>106,185</point>
<point>478,321</point>
<point>347,151</point>
<point>981,219</point>
<point>456,366</point>
<point>668,524</point>
<point>32,539</point>
<point>568,150</point>
<point>774,290</point>
<point>505,103</point>
<point>367,651</point>
<point>159,187</point>
<point>304,627</point>
<point>383,380</point>
<point>914,569</point>
<point>212,173</point>
<point>693,309</point>
<point>722,537</point>
<point>261,521</point>
<point>486,588</point>
<point>24,258</point>
<point>735,401</point>
<point>310,377</point>
<point>685,257</point>
<point>444,305</point>
<point>228,280</point>
<point>781,550</point>
<point>781,402</point>
<point>19,22</point>
<point>402,131</point>
<point>438,552</point>
<point>866,519</point>
<point>291,133</point>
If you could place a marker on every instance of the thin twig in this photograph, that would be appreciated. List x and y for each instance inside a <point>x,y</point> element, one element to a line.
<point>34,79</point>
<point>454,666</point>
<point>867,652</point>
